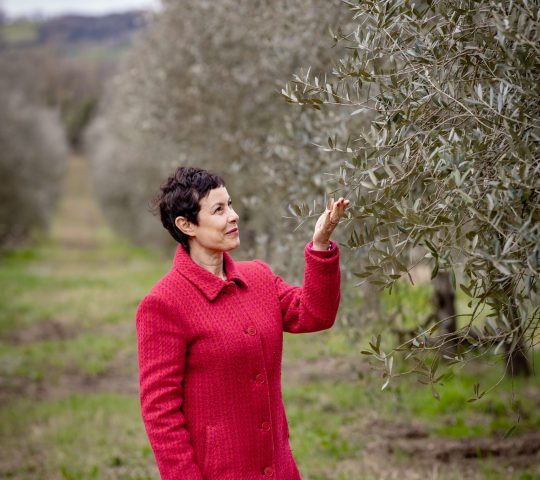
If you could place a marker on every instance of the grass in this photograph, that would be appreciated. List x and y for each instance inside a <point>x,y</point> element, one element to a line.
<point>495,414</point>
<point>83,437</point>
<point>69,407</point>
<point>311,346</point>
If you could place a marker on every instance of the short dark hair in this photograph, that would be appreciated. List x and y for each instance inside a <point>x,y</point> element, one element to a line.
<point>181,194</point>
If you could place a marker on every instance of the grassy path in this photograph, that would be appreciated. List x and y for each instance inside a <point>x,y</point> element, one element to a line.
<point>68,377</point>
<point>68,357</point>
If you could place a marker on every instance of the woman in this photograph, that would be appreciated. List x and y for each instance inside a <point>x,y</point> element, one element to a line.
<point>210,336</point>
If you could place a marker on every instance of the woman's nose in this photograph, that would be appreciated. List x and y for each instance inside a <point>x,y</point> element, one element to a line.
<point>233,215</point>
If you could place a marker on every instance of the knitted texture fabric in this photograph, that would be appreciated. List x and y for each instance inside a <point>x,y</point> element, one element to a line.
<point>210,364</point>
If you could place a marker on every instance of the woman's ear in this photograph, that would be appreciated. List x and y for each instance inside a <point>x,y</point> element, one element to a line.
<point>184,225</point>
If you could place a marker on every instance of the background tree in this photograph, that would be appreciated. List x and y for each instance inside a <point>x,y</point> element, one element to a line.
<point>450,162</point>
<point>203,88</point>
<point>33,153</point>
<point>52,72</point>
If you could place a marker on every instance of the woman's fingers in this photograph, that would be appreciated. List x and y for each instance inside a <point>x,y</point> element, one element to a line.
<point>329,219</point>
<point>334,214</point>
<point>341,205</point>
<point>336,210</point>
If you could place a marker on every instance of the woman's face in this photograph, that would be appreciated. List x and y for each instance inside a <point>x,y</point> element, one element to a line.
<point>216,220</point>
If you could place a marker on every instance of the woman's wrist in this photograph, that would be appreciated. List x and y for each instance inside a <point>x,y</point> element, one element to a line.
<point>321,246</point>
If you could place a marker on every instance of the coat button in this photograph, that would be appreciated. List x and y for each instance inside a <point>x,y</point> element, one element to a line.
<point>260,378</point>
<point>269,471</point>
<point>266,426</point>
<point>251,330</point>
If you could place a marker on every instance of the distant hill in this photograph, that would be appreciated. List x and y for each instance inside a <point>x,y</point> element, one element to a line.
<point>76,28</point>
<point>70,29</point>
<point>66,61</point>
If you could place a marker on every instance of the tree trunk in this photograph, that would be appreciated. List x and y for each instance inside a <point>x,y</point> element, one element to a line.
<point>445,313</point>
<point>517,361</point>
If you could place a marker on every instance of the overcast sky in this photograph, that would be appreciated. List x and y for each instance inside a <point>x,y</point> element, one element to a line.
<point>15,8</point>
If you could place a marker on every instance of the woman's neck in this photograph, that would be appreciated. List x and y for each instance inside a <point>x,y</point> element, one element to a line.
<point>211,261</point>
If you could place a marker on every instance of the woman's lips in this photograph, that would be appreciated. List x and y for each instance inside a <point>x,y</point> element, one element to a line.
<point>234,231</point>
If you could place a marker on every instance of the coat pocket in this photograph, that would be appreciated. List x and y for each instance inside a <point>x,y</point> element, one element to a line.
<point>220,454</point>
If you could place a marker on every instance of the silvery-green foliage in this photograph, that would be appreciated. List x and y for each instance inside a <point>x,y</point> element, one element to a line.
<point>202,88</point>
<point>125,175</point>
<point>450,162</point>
<point>33,157</point>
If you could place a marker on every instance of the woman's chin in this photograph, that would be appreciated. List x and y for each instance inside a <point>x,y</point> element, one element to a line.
<point>232,245</point>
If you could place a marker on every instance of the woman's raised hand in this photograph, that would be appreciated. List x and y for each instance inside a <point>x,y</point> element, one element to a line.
<point>327,222</point>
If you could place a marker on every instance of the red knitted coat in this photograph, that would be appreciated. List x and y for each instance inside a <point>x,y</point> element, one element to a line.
<point>210,364</point>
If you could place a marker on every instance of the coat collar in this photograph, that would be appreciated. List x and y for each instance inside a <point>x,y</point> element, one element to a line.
<point>209,284</point>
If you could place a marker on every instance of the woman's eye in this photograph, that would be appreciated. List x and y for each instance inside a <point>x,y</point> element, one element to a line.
<point>221,208</point>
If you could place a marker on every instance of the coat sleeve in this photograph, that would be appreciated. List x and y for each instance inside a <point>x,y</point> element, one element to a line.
<point>313,306</point>
<point>161,351</point>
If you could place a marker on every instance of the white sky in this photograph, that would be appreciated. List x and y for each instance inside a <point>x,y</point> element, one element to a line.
<point>16,8</point>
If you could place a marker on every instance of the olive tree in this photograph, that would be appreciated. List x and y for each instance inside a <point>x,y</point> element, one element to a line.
<point>33,153</point>
<point>202,88</point>
<point>449,165</point>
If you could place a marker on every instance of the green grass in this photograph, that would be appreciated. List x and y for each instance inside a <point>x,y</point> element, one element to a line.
<point>414,302</point>
<point>86,353</point>
<point>93,295</point>
<point>47,284</point>
<point>83,437</point>
<point>505,407</point>
<point>328,343</point>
